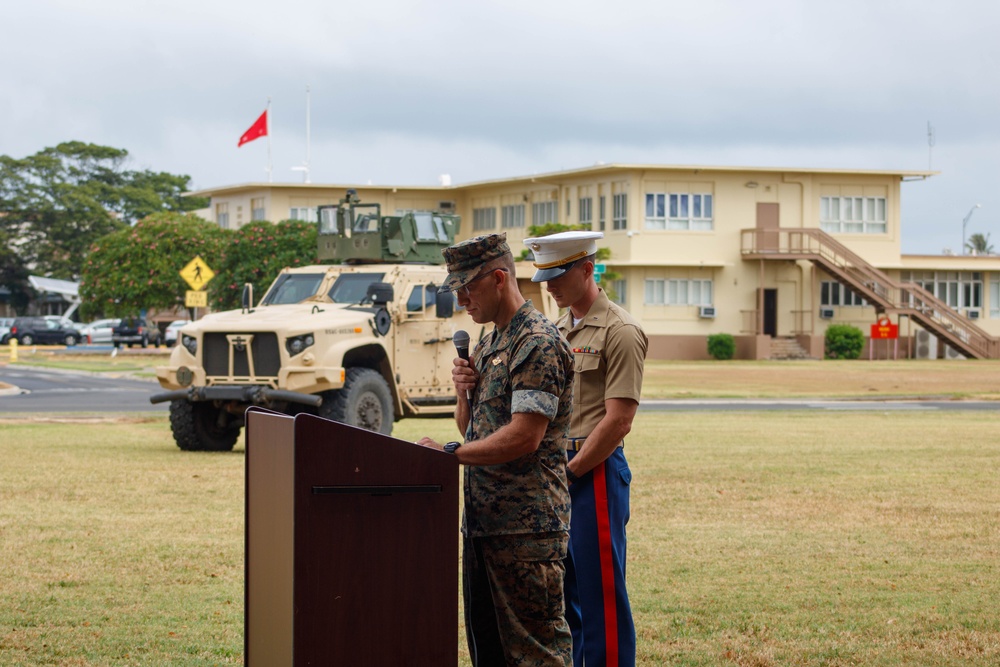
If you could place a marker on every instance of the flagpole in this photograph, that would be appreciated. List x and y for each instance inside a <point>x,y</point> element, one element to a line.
<point>270,178</point>
<point>308,106</point>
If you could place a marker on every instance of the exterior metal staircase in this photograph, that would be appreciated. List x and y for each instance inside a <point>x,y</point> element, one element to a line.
<point>889,296</point>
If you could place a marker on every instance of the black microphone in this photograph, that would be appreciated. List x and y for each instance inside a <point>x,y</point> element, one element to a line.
<point>461,340</point>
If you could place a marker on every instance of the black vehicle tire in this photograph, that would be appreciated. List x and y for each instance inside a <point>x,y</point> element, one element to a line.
<point>70,340</point>
<point>117,344</point>
<point>365,402</point>
<point>144,343</point>
<point>196,427</point>
<point>27,339</point>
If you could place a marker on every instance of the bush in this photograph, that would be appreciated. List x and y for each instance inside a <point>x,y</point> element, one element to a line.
<point>721,346</point>
<point>844,341</point>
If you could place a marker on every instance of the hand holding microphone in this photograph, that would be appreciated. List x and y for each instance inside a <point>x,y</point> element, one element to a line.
<point>461,340</point>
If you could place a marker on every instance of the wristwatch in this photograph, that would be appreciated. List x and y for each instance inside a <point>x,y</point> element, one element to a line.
<point>450,447</point>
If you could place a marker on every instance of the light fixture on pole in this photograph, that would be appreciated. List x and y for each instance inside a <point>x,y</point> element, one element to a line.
<point>965,221</point>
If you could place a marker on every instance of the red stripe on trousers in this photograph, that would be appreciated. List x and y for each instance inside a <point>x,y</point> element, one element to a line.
<point>607,566</point>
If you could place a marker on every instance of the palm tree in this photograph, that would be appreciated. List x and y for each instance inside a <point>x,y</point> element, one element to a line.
<point>979,245</point>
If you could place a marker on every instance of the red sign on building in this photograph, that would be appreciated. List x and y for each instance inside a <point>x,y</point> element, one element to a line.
<point>884,329</point>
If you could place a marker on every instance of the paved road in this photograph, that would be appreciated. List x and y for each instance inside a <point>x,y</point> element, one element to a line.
<point>708,405</point>
<point>43,390</point>
<point>62,391</point>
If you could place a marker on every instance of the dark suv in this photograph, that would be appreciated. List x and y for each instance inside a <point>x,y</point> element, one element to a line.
<point>132,330</point>
<point>43,330</point>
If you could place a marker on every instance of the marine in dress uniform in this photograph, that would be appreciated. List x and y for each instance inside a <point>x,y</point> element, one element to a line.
<point>610,349</point>
<point>516,516</point>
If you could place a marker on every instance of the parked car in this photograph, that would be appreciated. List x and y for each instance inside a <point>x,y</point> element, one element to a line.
<point>170,336</point>
<point>132,330</point>
<point>5,323</point>
<point>45,331</point>
<point>99,331</point>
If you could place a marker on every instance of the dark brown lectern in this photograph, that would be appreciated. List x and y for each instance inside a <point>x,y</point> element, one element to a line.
<point>351,547</point>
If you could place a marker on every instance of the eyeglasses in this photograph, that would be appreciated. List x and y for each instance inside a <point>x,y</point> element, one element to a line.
<point>464,289</point>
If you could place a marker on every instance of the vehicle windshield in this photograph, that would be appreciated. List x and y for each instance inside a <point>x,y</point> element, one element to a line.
<point>292,288</point>
<point>352,287</point>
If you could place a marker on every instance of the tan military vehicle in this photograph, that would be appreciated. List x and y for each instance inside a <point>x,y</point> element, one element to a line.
<point>363,344</point>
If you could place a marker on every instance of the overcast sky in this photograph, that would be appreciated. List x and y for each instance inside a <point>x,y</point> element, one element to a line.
<point>403,92</point>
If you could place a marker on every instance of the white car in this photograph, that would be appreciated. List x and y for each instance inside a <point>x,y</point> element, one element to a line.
<point>99,331</point>
<point>5,323</point>
<point>170,338</point>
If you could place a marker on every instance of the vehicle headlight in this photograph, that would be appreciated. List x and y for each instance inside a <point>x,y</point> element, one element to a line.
<point>296,344</point>
<point>190,343</point>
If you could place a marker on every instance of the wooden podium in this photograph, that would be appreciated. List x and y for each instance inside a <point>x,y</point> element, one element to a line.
<point>351,547</point>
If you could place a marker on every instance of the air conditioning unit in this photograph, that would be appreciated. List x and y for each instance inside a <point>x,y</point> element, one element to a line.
<point>972,313</point>
<point>952,353</point>
<point>446,206</point>
<point>706,312</point>
<point>826,313</point>
<point>926,345</point>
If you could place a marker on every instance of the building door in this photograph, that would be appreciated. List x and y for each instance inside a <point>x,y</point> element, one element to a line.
<point>768,221</point>
<point>770,312</point>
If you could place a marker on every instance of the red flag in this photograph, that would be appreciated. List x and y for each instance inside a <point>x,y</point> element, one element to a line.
<point>256,131</point>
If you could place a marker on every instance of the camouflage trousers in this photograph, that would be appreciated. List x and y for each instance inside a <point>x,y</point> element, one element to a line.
<point>515,611</point>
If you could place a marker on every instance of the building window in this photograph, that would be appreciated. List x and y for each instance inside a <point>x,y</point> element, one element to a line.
<point>543,213</point>
<point>672,292</point>
<point>222,215</point>
<point>257,208</point>
<point>832,293</point>
<point>995,296</point>
<point>852,215</point>
<point>679,211</point>
<point>587,211</point>
<point>959,289</point>
<point>512,216</point>
<point>302,213</point>
<point>602,207</point>
<point>484,218</point>
<point>619,289</point>
<point>619,218</point>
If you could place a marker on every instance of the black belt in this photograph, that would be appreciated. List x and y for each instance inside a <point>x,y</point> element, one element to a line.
<point>576,444</point>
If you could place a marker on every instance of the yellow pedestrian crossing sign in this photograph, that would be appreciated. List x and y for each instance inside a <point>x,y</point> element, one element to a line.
<point>197,274</point>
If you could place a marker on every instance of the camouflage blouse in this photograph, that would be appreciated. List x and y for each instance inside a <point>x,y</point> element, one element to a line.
<point>524,367</point>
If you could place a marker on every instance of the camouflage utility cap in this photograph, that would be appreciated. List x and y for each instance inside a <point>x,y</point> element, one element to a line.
<point>466,259</point>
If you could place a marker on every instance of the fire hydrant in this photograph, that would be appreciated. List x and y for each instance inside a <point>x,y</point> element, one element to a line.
<point>13,349</point>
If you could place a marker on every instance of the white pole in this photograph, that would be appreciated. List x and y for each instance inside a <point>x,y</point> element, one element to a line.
<point>270,177</point>
<point>308,106</point>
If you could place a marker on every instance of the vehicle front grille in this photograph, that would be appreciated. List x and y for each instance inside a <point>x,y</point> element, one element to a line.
<point>260,359</point>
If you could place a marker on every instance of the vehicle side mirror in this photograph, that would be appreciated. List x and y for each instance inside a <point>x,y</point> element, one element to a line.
<point>247,299</point>
<point>444,304</point>
<point>380,293</point>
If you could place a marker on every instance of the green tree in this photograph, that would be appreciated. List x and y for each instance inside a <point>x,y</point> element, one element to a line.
<point>139,267</point>
<point>979,244</point>
<point>255,253</point>
<point>59,201</point>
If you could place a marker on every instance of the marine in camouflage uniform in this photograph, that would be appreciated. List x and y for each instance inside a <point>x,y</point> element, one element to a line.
<point>517,504</point>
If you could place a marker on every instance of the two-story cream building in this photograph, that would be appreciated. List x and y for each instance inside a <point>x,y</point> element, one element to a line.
<point>769,255</point>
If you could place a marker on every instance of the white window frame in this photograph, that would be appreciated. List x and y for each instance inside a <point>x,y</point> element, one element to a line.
<point>678,292</point>
<point>544,212</point>
<point>512,216</point>
<point>586,211</point>
<point>307,213</point>
<point>484,218</point>
<point>619,217</point>
<point>853,215</point>
<point>682,211</point>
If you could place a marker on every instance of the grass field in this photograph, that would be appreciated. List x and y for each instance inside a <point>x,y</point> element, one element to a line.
<point>757,539</point>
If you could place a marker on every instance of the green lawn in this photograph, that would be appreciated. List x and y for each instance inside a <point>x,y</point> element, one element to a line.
<point>827,538</point>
